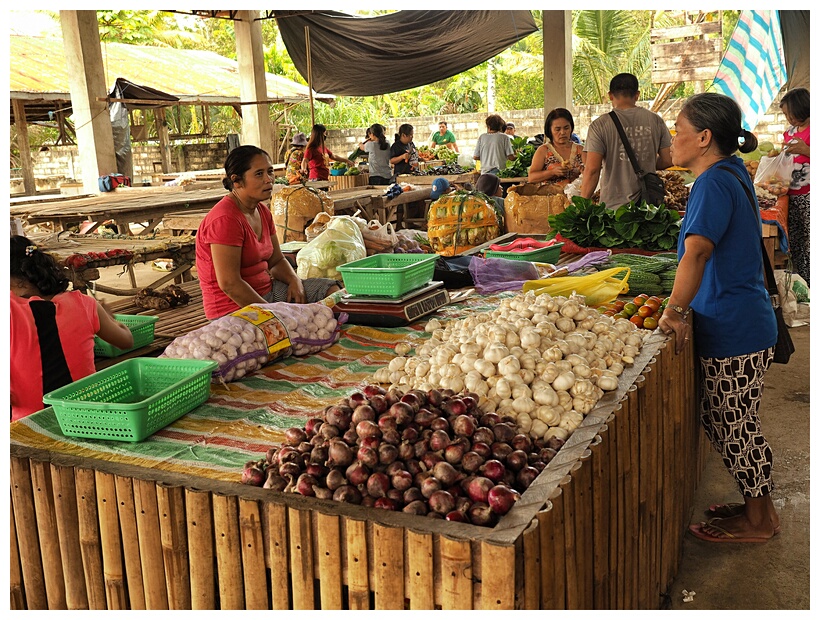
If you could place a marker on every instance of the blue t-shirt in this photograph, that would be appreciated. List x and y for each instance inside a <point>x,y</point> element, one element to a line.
<point>733,312</point>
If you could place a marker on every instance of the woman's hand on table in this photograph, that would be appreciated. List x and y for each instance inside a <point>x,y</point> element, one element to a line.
<point>672,321</point>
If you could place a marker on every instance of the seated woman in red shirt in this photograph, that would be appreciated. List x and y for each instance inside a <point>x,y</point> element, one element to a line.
<point>52,330</point>
<point>317,156</point>
<point>238,259</point>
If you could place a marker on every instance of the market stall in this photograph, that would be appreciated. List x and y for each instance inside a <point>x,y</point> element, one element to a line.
<point>165,523</point>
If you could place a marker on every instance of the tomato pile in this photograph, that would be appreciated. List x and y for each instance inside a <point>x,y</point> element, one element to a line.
<point>644,310</point>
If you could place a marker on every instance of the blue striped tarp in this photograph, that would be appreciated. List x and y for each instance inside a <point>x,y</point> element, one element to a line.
<point>753,71</point>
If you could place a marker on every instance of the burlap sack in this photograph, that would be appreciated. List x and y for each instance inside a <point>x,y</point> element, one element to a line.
<point>294,207</point>
<point>528,205</point>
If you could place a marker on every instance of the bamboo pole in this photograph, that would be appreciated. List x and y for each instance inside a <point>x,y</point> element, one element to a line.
<point>456,573</point>
<point>601,511</point>
<point>388,566</point>
<point>532,566</point>
<point>301,558</point>
<point>277,532</point>
<point>99,488</point>
<point>584,519</point>
<point>420,587</point>
<point>358,579</point>
<point>100,596</point>
<point>153,569</point>
<point>127,513</point>
<point>497,576</point>
<point>47,531</point>
<point>174,542</point>
<point>309,76</point>
<point>17,598</point>
<point>65,507</point>
<point>201,538</point>
<point>228,558</point>
<point>571,539</point>
<point>329,549</point>
<point>632,574</point>
<point>28,542</point>
<point>253,556</point>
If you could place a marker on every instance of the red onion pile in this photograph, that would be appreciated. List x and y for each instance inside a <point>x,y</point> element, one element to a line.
<point>429,453</point>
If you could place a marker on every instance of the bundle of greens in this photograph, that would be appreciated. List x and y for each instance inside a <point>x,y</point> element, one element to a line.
<point>520,166</point>
<point>643,226</point>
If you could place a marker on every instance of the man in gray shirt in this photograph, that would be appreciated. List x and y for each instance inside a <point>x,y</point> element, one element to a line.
<point>606,157</point>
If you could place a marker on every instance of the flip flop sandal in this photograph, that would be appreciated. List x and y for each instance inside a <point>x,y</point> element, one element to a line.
<point>722,511</point>
<point>696,529</point>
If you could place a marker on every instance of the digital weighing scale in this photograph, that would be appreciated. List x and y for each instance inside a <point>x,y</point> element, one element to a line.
<point>399,312</point>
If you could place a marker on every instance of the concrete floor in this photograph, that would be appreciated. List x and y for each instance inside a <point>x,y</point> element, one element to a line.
<point>774,575</point>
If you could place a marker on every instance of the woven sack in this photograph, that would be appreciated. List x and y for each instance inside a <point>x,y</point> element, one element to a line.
<point>294,207</point>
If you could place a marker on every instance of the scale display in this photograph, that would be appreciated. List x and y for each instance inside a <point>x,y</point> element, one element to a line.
<point>395,312</point>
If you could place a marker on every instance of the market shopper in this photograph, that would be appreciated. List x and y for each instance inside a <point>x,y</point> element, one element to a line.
<point>52,328</point>
<point>720,279</point>
<point>238,258</point>
<point>559,160</point>
<point>293,160</point>
<point>493,148</point>
<point>317,156</point>
<point>403,154</point>
<point>509,129</point>
<point>606,158</point>
<point>795,105</point>
<point>490,185</point>
<point>378,156</point>
<point>443,137</point>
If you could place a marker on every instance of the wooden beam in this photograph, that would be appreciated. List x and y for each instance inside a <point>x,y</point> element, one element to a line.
<point>162,134</point>
<point>29,186</point>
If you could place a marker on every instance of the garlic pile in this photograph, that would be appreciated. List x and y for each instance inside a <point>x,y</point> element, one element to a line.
<point>545,360</point>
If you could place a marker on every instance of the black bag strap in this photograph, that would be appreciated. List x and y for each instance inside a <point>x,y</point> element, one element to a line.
<point>627,146</point>
<point>771,283</point>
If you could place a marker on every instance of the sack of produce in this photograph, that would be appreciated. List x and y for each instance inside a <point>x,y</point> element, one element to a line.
<point>774,174</point>
<point>459,221</point>
<point>258,334</point>
<point>527,207</point>
<point>340,243</point>
<point>296,205</point>
<point>379,238</point>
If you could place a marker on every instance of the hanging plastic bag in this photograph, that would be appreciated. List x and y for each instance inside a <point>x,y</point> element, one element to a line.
<point>340,243</point>
<point>379,238</point>
<point>598,288</point>
<point>774,174</point>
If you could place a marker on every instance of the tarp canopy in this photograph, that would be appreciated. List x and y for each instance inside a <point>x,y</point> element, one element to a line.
<point>125,89</point>
<point>796,40</point>
<point>363,56</point>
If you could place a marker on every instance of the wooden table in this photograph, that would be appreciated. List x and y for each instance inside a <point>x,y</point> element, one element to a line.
<point>375,206</point>
<point>427,179</point>
<point>124,205</point>
<point>142,250</point>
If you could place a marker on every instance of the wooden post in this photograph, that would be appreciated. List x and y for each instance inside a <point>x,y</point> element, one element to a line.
<point>358,588</point>
<point>153,569</point>
<point>301,558</point>
<point>20,123</point>
<point>309,77</point>
<point>24,517</point>
<point>161,125</point>
<point>456,573</point>
<point>201,537</point>
<point>228,558</point>
<point>65,507</point>
<point>531,541</point>
<point>175,550</point>
<point>497,576</point>
<point>388,566</point>
<point>130,541</point>
<point>601,511</point>
<point>277,532</point>
<point>420,570</point>
<point>49,539</point>
<point>329,552</point>
<point>17,594</point>
<point>253,556</point>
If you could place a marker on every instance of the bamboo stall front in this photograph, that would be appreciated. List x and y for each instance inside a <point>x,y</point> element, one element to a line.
<point>600,528</point>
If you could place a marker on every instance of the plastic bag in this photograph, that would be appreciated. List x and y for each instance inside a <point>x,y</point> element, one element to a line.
<point>598,288</point>
<point>340,243</point>
<point>492,275</point>
<point>379,238</point>
<point>774,174</point>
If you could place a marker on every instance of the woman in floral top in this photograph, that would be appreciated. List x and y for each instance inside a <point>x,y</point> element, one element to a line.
<point>559,160</point>
<point>293,160</point>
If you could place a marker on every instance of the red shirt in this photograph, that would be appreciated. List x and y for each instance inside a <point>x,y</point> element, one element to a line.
<point>801,182</point>
<point>318,160</point>
<point>77,322</point>
<point>226,225</point>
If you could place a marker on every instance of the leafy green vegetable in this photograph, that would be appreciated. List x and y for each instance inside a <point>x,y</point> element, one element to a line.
<point>630,226</point>
<point>520,166</point>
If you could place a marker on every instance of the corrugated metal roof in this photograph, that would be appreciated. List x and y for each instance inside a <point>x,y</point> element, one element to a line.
<point>38,70</point>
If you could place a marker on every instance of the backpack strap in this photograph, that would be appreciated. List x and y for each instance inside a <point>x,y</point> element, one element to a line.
<point>627,146</point>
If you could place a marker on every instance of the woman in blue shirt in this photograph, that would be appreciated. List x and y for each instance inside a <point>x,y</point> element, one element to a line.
<point>720,278</point>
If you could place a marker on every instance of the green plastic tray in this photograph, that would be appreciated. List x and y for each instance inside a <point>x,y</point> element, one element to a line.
<point>142,327</point>
<point>388,275</point>
<point>541,255</point>
<point>132,399</point>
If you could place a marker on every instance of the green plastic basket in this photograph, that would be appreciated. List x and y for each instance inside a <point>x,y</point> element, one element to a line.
<point>541,255</point>
<point>132,399</point>
<point>388,275</point>
<point>142,327</point>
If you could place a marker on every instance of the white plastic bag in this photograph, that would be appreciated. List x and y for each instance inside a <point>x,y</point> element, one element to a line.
<point>340,243</point>
<point>774,174</point>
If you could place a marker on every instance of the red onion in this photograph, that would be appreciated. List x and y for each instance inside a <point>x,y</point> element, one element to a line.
<point>312,426</point>
<point>394,395</point>
<point>339,454</point>
<point>439,440</point>
<point>339,415</point>
<point>478,488</point>
<point>547,454</point>
<point>490,419</point>
<point>430,459</point>
<point>329,431</point>
<point>370,442</point>
<point>483,435</point>
<point>347,493</point>
<point>470,462</point>
<point>305,484</point>
<point>494,470</point>
<point>386,422</point>
<point>525,477</point>
<point>539,465</point>
<point>410,433</point>
<point>480,514</point>
<point>290,469</point>
<point>411,495</point>
<point>366,428</point>
<point>501,499</point>
<point>318,440</point>
<point>416,507</point>
<point>319,455</point>
<point>368,456</point>
<point>424,417</point>
<point>357,473</point>
<point>471,402</point>
<point>463,504</point>
<point>455,515</point>
<point>445,473</point>
<point>394,468</point>
<point>402,480</point>
<point>482,449</point>
<point>397,496</point>
<point>516,460</point>
<point>421,447</point>
<point>335,478</point>
<point>401,412</point>
<point>413,400</point>
<point>422,396</point>
<point>363,412</point>
<point>454,407</point>
<point>391,436</point>
<point>412,465</point>
<point>322,493</point>
<point>288,454</point>
<point>377,484</point>
<point>253,476</point>
<point>379,403</point>
<point>504,432</point>
<point>455,490</point>
<point>373,389</point>
<point>351,437</point>
<point>406,450</point>
<point>429,486</point>
<point>386,503</point>
<point>447,393</point>
<point>522,442</point>
<point>442,502</point>
<point>454,453</point>
<point>464,425</point>
<point>434,397</point>
<point>555,443</point>
<point>387,453</point>
<point>356,399</point>
<point>304,447</point>
<point>316,470</point>
<point>294,436</point>
<point>368,501</point>
<point>271,454</point>
<point>275,482</point>
<point>440,424</point>
<point>501,450</point>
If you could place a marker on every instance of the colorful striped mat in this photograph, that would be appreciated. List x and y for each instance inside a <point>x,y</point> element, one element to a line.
<point>241,420</point>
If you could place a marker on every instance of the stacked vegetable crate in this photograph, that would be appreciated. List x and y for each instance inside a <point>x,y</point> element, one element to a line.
<point>653,275</point>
